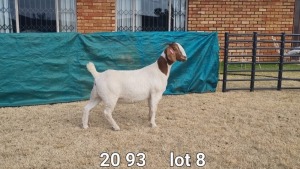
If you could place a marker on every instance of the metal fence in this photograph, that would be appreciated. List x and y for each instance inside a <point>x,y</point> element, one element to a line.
<point>257,50</point>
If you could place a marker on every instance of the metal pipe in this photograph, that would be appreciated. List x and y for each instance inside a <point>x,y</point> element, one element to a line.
<point>225,61</point>
<point>186,16</point>
<point>170,15</point>
<point>17,16</point>
<point>254,47</point>
<point>57,15</point>
<point>133,5</point>
<point>282,44</point>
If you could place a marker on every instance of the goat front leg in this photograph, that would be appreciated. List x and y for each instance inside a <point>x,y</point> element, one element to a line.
<point>153,102</point>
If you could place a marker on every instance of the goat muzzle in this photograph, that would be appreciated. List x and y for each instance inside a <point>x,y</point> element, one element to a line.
<point>183,59</point>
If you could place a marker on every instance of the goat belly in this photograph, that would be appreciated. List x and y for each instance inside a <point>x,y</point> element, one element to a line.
<point>134,93</point>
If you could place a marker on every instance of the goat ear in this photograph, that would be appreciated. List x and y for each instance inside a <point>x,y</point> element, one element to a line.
<point>171,54</point>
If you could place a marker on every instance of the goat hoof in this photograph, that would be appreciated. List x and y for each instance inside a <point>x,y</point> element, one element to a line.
<point>116,128</point>
<point>85,126</point>
<point>153,125</point>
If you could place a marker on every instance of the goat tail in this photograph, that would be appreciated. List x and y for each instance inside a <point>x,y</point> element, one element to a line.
<point>92,69</point>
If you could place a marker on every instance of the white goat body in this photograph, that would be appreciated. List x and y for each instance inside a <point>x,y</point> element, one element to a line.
<point>132,85</point>
<point>149,83</point>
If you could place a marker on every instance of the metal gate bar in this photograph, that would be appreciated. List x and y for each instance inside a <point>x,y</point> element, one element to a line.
<point>252,45</point>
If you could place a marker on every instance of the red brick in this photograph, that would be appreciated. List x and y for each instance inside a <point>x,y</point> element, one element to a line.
<point>263,16</point>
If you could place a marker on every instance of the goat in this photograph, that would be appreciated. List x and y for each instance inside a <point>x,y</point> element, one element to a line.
<point>132,85</point>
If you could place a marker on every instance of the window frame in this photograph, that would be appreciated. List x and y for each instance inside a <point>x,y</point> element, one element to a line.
<point>296,27</point>
<point>16,2</point>
<point>296,23</point>
<point>169,17</point>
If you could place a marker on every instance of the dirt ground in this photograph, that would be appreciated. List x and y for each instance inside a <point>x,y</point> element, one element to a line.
<point>236,129</point>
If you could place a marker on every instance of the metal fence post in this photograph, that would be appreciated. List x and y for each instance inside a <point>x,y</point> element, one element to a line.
<point>254,48</point>
<point>225,61</point>
<point>280,71</point>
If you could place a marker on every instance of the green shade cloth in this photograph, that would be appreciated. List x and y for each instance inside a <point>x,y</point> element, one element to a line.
<point>43,68</point>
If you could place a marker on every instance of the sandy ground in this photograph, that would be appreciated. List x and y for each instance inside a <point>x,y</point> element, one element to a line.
<point>237,129</point>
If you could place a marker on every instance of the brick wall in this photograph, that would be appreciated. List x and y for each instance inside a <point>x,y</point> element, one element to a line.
<point>95,16</point>
<point>266,16</point>
<point>236,16</point>
<point>241,16</point>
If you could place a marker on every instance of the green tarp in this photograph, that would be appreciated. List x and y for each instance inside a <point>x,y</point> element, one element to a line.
<point>43,68</point>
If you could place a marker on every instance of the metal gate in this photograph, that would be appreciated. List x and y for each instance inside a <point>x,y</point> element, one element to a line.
<point>256,51</point>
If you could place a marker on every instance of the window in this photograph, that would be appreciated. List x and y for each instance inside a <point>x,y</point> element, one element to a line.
<point>151,15</point>
<point>37,16</point>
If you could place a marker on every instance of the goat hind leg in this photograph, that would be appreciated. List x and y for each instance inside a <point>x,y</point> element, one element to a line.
<point>108,115</point>
<point>86,112</point>
<point>109,108</point>
<point>94,100</point>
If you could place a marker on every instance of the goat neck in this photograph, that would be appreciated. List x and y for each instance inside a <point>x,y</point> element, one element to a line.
<point>164,63</point>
